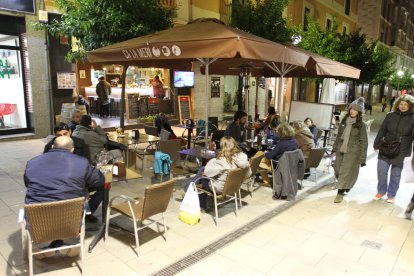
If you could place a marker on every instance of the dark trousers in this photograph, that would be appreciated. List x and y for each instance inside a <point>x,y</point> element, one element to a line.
<point>96,198</point>
<point>104,110</point>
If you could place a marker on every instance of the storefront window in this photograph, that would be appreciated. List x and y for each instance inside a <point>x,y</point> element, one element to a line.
<point>12,96</point>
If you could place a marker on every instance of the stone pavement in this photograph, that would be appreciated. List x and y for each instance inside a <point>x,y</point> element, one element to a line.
<point>356,237</point>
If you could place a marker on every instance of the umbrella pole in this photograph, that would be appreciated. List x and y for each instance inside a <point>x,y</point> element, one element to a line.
<point>123,77</point>
<point>207,65</point>
<point>281,88</point>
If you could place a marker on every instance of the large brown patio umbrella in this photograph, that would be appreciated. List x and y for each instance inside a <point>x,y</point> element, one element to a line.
<point>205,40</point>
<point>316,66</point>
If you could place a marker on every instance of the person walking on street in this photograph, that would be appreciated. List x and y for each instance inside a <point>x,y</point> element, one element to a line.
<point>384,102</point>
<point>350,148</point>
<point>392,102</point>
<point>103,90</point>
<point>397,127</point>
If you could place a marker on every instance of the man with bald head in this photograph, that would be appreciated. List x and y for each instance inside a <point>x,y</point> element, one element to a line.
<point>59,174</point>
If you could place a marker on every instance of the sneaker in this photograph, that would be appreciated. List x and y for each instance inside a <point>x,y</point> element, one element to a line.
<point>378,197</point>
<point>339,198</point>
<point>391,200</point>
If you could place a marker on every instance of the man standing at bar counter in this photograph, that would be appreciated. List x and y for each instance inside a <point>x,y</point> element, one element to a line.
<point>103,90</point>
<point>59,174</point>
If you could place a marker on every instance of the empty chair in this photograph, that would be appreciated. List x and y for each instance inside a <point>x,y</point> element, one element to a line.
<point>151,130</point>
<point>286,172</point>
<point>231,189</point>
<point>172,147</point>
<point>139,209</point>
<point>164,135</point>
<point>254,166</point>
<point>49,221</point>
<point>313,160</point>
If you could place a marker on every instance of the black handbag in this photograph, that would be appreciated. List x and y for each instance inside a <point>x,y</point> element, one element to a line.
<point>389,149</point>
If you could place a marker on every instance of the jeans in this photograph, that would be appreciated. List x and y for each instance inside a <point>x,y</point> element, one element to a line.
<point>384,187</point>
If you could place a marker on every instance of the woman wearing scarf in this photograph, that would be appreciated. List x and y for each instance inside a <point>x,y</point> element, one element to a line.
<point>397,126</point>
<point>350,148</point>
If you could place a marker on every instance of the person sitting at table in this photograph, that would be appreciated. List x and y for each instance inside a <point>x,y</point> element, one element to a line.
<point>93,136</point>
<point>286,142</point>
<point>62,129</point>
<point>272,121</point>
<point>76,116</point>
<point>312,127</point>
<point>161,122</point>
<point>304,137</point>
<point>59,174</point>
<point>236,128</point>
<point>230,156</point>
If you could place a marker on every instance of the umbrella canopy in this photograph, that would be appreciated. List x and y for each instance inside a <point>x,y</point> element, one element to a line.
<point>205,40</point>
<point>201,38</point>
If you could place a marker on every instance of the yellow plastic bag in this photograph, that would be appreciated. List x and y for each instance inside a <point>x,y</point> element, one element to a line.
<point>189,218</point>
<point>190,207</point>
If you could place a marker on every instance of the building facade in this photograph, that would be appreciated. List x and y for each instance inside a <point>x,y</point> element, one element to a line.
<point>24,77</point>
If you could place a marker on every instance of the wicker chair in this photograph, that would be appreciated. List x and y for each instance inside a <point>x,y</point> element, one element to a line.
<point>254,166</point>
<point>139,209</point>
<point>313,160</point>
<point>231,188</point>
<point>172,147</point>
<point>49,221</point>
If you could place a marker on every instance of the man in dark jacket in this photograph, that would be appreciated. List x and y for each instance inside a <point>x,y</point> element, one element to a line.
<point>236,128</point>
<point>59,174</point>
<point>62,129</point>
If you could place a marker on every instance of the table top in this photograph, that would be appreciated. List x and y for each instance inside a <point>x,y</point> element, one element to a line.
<point>197,152</point>
<point>130,175</point>
<point>186,126</point>
<point>127,140</point>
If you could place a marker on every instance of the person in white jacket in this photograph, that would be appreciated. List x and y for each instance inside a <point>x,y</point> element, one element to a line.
<point>229,157</point>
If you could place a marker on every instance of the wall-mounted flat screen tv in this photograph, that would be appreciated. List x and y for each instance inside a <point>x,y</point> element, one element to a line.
<point>183,79</point>
<point>26,6</point>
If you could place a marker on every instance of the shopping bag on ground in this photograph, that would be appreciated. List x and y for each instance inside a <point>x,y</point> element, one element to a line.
<point>190,207</point>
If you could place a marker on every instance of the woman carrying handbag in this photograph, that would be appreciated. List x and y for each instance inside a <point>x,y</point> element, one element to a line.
<point>350,148</point>
<point>394,142</point>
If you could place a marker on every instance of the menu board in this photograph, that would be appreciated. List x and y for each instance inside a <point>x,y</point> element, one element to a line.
<point>143,107</point>
<point>184,107</point>
<point>66,80</point>
<point>153,106</point>
<point>132,106</point>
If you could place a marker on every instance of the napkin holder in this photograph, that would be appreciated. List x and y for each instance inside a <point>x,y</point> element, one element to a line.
<point>119,169</point>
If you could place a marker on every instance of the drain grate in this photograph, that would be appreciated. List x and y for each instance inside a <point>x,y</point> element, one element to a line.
<point>202,253</point>
<point>371,244</point>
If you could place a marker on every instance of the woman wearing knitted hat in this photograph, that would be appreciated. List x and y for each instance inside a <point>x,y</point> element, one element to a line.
<point>350,148</point>
<point>397,126</point>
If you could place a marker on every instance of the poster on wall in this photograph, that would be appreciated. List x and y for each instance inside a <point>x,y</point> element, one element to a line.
<point>215,87</point>
<point>66,80</point>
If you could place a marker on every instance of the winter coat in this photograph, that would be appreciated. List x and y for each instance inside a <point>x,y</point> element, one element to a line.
<point>305,141</point>
<point>397,124</point>
<point>347,164</point>
<point>80,148</point>
<point>95,139</point>
<point>218,168</point>
<point>290,169</point>
<point>281,146</point>
<point>161,162</point>
<point>103,90</point>
<point>59,174</point>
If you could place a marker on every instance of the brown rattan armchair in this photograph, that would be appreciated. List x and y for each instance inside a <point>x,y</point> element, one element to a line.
<point>231,189</point>
<point>254,166</point>
<point>139,209</point>
<point>49,221</point>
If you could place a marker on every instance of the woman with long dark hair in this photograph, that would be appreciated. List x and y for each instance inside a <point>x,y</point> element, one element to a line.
<point>350,148</point>
<point>397,126</point>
